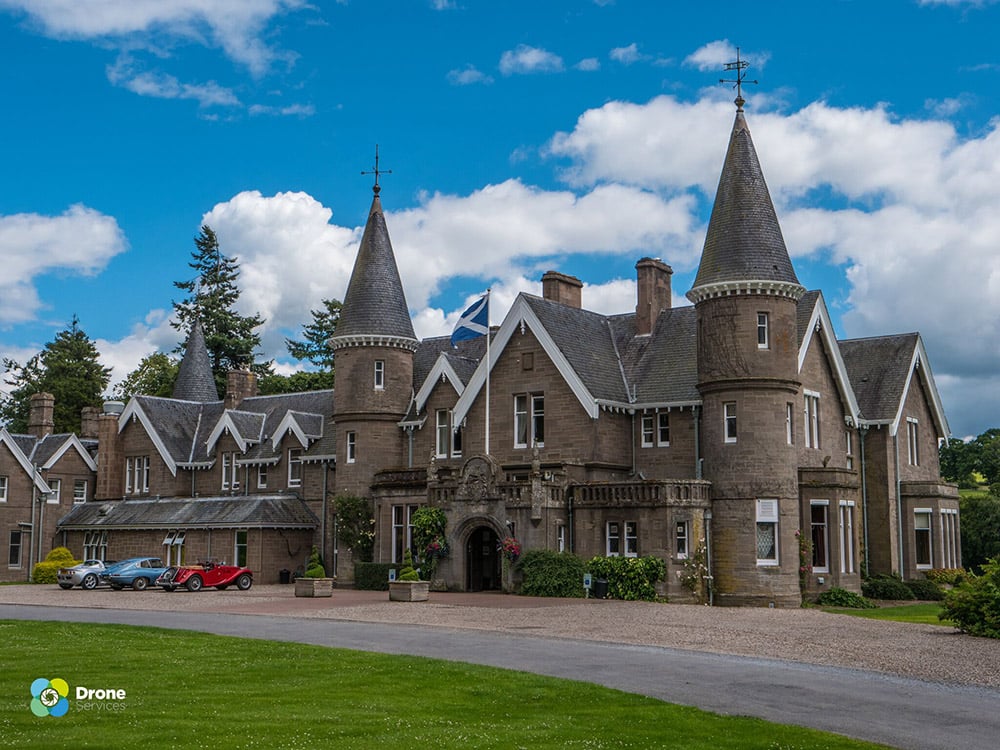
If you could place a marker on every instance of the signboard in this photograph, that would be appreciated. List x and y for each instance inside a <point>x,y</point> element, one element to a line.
<point>587,582</point>
<point>392,575</point>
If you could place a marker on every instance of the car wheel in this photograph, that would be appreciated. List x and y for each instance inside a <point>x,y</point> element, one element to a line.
<point>194,583</point>
<point>244,582</point>
<point>222,586</point>
<point>89,582</point>
<point>66,586</point>
<point>140,584</point>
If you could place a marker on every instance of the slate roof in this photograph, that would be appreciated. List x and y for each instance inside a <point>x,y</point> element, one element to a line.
<point>375,304</point>
<point>195,381</point>
<point>744,240</point>
<point>879,368</point>
<point>464,359</point>
<point>803,313</point>
<point>664,366</point>
<point>275,511</point>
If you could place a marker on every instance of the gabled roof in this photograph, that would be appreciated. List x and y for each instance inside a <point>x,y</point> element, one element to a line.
<point>195,381</point>
<point>246,511</point>
<point>14,444</point>
<point>374,306</point>
<point>172,426</point>
<point>305,427</point>
<point>51,448</point>
<point>744,247</point>
<point>814,323</point>
<point>882,371</point>
<point>245,428</point>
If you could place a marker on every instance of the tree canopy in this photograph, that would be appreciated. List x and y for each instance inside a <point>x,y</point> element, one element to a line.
<point>316,346</point>
<point>155,376</point>
<point>959,459</point>
<point>69,368</point>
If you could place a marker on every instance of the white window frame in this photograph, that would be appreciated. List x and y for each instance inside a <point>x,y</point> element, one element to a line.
<point>80,493</point>
<point>261,476</point>
<point>442,438</point>
<point>631,538</point>
<point>136,475</point>
<point>846,525</point>
<point>647,429</point>
<point>402,530</point>
<point>561,537</point>
<point>849,440</point>
<point>456,438</point>
<point>12,545</point>
<point>763,333</point>
<point>174,542</point>
<point>612,538</point>
<point>790,423</point>
<point>294,467</point>
<point>824,531</point>
<point>95,545</point>
<point>55,485</point>
<point>682,539</point>
<point>767,515</point>
<point>949,537</point>
<point>230,471</point>
<point>529,420</point>
<point>352,446</point>
<point>928,531</point>
<point>238,547</point>
<point>729,424</point>
<point>810,414</point>
<point>663,429</point>
<point>4,484</point>
<point>379,374</point>
<point>912,441</point>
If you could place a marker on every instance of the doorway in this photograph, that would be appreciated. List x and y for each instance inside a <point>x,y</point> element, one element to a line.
<point>482,560</point>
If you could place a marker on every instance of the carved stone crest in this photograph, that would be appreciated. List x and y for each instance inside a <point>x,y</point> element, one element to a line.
<point>479,479</point>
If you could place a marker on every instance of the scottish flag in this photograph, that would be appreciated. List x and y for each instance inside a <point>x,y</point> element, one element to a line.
<point>474,322</point>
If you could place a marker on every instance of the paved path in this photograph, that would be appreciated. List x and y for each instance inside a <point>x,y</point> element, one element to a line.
<point>901,712</point>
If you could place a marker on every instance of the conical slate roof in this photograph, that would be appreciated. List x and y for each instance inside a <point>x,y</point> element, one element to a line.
<point>744,241</point>
<point>195,381</point>
<point>374,304</point>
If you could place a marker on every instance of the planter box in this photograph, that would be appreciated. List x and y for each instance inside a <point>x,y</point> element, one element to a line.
<point>313,587</point>
<point>409,591</point>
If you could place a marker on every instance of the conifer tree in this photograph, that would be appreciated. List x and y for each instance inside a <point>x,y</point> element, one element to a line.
<point>231,338</point>
<point>316,346</point>
<point>155,376</point>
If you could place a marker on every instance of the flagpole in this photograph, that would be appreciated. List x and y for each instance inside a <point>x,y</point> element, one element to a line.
<point>487,372</point>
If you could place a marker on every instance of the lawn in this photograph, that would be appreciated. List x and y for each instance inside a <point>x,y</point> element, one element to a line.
<point>924,612</point>
<point>194,690</point>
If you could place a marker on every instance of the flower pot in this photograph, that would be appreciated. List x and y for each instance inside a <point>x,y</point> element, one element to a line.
<point>409,591</point>
<point>313,587</point>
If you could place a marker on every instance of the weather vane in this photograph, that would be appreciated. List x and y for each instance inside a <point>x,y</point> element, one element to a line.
<point>376,171</point>
<point>740,67</point>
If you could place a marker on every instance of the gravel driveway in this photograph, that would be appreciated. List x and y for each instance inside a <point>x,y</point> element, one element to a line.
<point>928,652</point>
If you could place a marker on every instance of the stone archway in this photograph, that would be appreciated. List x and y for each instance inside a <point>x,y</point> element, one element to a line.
<point>482,560</point>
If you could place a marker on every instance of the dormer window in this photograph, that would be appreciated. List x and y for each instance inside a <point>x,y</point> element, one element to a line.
<point>379,374</point>
<point>230,475</point>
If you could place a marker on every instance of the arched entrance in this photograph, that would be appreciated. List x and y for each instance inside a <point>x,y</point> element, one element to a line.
<point>482,560</point>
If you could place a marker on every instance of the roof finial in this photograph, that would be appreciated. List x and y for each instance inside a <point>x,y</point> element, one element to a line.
<point>739,66</point>
<point>376,171</point>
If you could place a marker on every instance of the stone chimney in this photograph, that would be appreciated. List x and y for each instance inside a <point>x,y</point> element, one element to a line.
<point>89,416</point>
<point>110,459</point>
<point>41,420</point>
<point>653,282</point>
<point>240,384</point>
<point>561,288</point>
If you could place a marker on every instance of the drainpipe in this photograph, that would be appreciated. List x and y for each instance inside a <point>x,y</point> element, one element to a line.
<point>569,519</point>
<point>899,504</point>
<point>322,518</point>
<point>708,557</point>
<point>632,413</point>
<point>697,443</point>
<point>409,447</point>
<point>34,528</point>
<point>863,432</point>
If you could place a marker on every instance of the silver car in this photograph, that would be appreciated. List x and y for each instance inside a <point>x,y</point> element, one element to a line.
<point>86,575</point>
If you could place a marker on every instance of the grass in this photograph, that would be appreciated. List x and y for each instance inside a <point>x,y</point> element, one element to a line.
<point>925,613</point>
<point>195,690</point>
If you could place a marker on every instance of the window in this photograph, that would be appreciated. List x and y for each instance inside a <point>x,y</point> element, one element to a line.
<point>529,420</point>
<point>352,447</point>
<point>379,374</point>
<point>79,491</point>
<point>14,550</point>
<point>849,439</point>
<point>613,537</point>
<point>561,537</point>
<point>402,530</point>
<point>230,472</point>
<point>614,546</point>
<point>294,467</point>
<point>789,424</point>
<point>443,438</point>
<point>846,536</point>
<point>818,510</point>
<point>456,441</point>
<point>174,552</point>
<point>811,417</point>
<point>767,532</point>
<point>949,538</point>
<point>648,430</point>
<point>912,442</point>
<point>3,489</point>
<point>729,415</point>
<point>922,544</point>
<point>55,485</point>
<point>631,539</point>
<point>663,429</point>
<point>762,330</point>
<point>136,475</point>
<point>95,545</point>
<point>262,476</point>
<point>240,550</point>
<point>682,533</point>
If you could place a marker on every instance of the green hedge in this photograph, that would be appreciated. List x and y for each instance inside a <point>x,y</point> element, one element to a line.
<point>550,573</point>
<point>370,576</point>
<point>629,578</point>
<point>886,587</point>
<point>925,590</point>
<point>974,605</point>
<point>837,597</point>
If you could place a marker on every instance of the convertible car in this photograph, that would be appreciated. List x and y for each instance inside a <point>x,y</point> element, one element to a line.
<point>197,577</point>
<point>86,575</point>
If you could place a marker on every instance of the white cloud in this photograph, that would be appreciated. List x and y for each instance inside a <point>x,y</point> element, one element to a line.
<point>525,59</point>
<point>125,73</point>
<point>289,110</point>
<point>626,55</point>
<point>467,76</point>
<point>80,241</point>
<point>588,64</point>
<point>712,56</point>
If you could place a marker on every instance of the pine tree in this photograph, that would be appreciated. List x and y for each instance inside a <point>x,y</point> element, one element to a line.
<point>231,338</point>
<point>69,369</point>
<point>316,347</point>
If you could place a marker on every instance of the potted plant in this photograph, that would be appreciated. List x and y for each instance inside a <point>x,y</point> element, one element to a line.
<point>315,581</point>
<point>408,587</point>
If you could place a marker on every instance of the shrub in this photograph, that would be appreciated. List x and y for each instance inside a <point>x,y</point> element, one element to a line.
<point>549,573</point>
<point>370,576</point>
<point>837,597</point>
<point>408,572</point>
<point>886,587</point>
<point>314,568</point>
<point>45,571</point>
<point>925,590</point>
<point>629,578</point>
<point>974,606</point>
<point>949,576</point>
<point>356,526</point>
<point>429,537</point>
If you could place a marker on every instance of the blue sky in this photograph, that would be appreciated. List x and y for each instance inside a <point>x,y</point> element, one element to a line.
<point>522,137</point>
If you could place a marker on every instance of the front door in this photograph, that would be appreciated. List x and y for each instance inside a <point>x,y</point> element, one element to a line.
<point>482,560</point>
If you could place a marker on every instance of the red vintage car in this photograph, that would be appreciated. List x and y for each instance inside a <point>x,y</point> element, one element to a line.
<point>197,577</point>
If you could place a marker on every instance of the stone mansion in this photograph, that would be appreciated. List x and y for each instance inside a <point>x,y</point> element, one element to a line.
<point>739,422</point>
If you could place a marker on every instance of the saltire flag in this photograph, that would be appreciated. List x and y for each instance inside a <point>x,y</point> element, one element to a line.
<point>475,321</point>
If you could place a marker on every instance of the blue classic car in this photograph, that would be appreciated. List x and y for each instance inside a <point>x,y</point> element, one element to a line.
<point>138,573</point>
